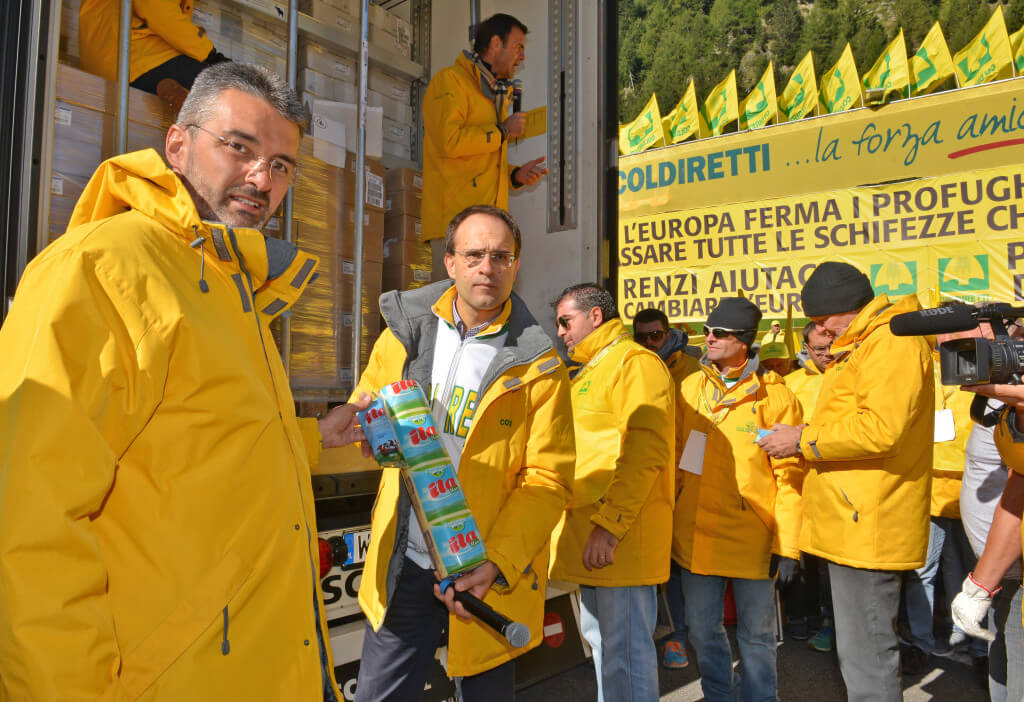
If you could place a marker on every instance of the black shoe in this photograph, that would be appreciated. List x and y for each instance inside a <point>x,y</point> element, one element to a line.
<point>797,629</point>
<point>913,661</point>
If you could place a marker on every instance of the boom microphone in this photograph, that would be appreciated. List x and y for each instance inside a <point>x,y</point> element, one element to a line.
<point>517,96</point>
<point>937,320</point>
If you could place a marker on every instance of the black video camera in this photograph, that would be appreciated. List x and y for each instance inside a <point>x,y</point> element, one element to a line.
<point>972,361</point>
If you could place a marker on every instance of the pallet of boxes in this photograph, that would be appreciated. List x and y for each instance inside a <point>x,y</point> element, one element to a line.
<point>407,262</point>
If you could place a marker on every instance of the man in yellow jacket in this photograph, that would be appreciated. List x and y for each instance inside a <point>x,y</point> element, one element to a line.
<point>500,394</point>
<point>805,382</point>
<point>737,514</point>
<point>467,128</point>
<point>613,539</point>
<point>167,50</point>
<point>157,529</point>
<point>869,459</point>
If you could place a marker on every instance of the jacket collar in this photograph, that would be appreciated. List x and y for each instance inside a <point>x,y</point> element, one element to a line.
<point>748,382</point>
<point>875,314</point>
<point>601,337</point>
<point>443,309</point>
<point>276,270</point>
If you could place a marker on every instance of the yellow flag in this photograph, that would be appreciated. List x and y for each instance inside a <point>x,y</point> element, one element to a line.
<point>987,56</point>
<point>1017,47</point>
<point>760,107</point>
<point>681,123</point>
<point>932,64</point>
<point>643,132</point>
<point>721,106</point>
<point>890,74</point>
<point>840,85</point>
<point>801,93</point>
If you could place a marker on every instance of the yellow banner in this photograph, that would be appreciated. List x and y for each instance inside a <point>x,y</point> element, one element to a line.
<point>924,136</point>
<point>958,235</point>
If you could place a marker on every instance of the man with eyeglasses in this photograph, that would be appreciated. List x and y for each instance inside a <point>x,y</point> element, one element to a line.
<point>157,524</point>
<point>651,330</point>
<point>613,539</point>
<point>868,449</point>
<point>737,513</point>
<point>500,398</point>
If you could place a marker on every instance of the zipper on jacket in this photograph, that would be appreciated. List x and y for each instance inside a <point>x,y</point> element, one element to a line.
<point>743,505</point>
<point>855,513</point>
<point>449,382</point>
<point>225,645</point>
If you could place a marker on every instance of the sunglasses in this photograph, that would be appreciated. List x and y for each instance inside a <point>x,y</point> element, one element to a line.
<point>656,335</point>
<point>722,332</point>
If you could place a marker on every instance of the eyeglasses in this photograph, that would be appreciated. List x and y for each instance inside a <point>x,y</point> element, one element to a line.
<point>819,349</point>
<point>656,335</point>
<point>722,332</point>
<point>563,322</point>
<point>500,259</point>
<point>282,171</point>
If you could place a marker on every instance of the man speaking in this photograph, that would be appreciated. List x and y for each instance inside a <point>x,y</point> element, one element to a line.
<point>869,458</point>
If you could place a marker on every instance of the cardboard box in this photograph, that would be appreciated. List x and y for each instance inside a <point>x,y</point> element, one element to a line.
<point>319,58</point>
<point>402,226</point>
<point>373,233</point>
<point>404,179</point>
<point>374,190</point>
<point>336,120</point>
<point>400,111</point>
<point>386,84</point>
<point>404,202</point>
<point>81,88</point>
<point>340,18</point>
<point>323,86</point>
<point>407,264</point>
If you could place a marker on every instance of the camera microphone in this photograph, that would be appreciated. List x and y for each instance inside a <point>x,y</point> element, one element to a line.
<point>517,96</point>
<point>938,320</point>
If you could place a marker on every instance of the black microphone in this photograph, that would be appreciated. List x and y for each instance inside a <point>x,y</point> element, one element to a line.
<point>517,96</point>
<point>517,634</point>
<point>937,320</point>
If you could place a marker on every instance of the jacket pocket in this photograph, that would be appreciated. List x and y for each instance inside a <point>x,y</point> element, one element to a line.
<point>200,608</point>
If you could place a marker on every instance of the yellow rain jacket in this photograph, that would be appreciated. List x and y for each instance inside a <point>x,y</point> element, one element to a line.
<point>681,364</point>
<point>516,469</point>
<point>869,446</point>
<point>465,160</point>
<point>805,382</point>
<point>949,456</point>
<point>157,531</point>
<point>161,30</point>
<point>623,406</point>
<point>743,505</point>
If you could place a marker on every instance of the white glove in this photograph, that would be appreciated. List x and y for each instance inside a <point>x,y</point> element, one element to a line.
<point>970,606</point>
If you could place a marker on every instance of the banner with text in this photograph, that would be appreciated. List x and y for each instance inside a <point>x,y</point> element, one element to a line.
<point>959,235</point>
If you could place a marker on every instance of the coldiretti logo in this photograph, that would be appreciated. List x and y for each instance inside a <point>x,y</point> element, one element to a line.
<point>896,278</point>
<point>963,273</point>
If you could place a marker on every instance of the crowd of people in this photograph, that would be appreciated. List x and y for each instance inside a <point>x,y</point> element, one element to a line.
<point>157,526</point>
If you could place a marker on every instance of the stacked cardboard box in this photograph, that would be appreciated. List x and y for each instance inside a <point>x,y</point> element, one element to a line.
<point>407,262</point>
<point>83,135</point>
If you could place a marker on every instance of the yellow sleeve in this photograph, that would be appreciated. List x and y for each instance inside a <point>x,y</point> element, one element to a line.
<point>894,384</point>
<point>309,427</point>
<point>533,508</point>
<point>789,477</point>
<point>445,111</point>
<point>1010,442</point>
<point>644,401</point>
<point>83,371</point>
<point>165,17</point>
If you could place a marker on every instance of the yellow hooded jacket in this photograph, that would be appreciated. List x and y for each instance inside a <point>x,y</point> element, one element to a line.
<point>157,530</point>
<point>161,30</point>
<point>681,364</point>
<point>515,470</point>
<point>805,382</point>
<point>623,405</point>
<point>744,505</point>
<point>949,456</point>
<point>465,159</point>
<point>869,446</point>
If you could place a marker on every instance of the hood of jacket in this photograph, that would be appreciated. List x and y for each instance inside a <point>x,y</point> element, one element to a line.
<point>598,339</point>
<point>676,341</point>
<point>875,314</point>
<point>141,181</point>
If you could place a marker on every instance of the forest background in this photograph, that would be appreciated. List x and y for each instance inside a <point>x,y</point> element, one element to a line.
<point>663,43</point>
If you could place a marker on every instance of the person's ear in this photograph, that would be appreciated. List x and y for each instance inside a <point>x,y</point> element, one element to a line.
<point>176,146</point>
<point>596,316</point>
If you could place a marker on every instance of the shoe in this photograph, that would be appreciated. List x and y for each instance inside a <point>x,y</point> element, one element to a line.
<point>913,661</point>
<point>943,648</point>
<point>825,639</point>
<point>798,629</point>
<point>674,655</point>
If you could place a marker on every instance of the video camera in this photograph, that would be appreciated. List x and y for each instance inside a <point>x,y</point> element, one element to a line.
<point>971,361</point>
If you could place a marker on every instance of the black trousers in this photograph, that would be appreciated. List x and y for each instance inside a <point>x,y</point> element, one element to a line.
<point>396,660</point>
<point>183,69</point>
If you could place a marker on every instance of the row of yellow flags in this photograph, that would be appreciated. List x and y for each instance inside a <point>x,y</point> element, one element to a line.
<point>993,54</point>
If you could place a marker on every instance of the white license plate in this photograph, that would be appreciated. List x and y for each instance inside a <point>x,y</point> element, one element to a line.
<point>341,585</point>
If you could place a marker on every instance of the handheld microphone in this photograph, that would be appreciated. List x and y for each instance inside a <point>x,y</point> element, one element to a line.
<point>517,634</point>
<point>937,320</point>
<point>517,96</point>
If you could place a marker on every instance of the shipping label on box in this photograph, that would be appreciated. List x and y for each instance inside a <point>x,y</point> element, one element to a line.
<point>404,179</point>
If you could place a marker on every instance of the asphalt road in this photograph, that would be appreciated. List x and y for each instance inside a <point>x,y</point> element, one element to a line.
<point>803,675</point>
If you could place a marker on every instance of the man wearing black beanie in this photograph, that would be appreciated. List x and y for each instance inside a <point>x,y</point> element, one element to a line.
<point>737,514</point>
<point>868,449</point>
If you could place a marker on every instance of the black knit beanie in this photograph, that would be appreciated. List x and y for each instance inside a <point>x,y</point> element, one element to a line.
<point>835,287</point>
<point>737,313</point>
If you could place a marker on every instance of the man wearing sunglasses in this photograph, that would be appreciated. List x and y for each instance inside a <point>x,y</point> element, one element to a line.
<point>500,397</point>
<point>737,513</point>
<point>651,329</point>
<point>869,453</point>
<point>614,539</point>
<point>157,526</point>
